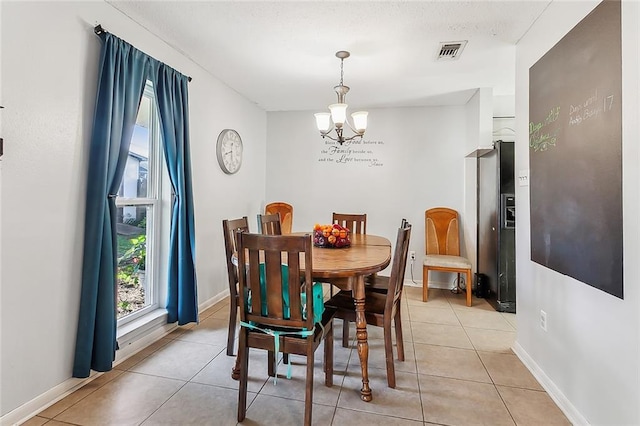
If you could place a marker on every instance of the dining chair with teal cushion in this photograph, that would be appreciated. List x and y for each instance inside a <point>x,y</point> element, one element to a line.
<point>286,326</point>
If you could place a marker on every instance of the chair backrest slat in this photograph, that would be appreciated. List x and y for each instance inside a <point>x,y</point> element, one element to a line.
<point>357,223</point>
<point>270,224</point>
<point>273,278</point>
<point>293,261</point>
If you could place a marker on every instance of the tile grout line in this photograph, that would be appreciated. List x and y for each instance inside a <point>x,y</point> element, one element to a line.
<point>75,403</point>
<point>335,409</point>
<point>488,374</point>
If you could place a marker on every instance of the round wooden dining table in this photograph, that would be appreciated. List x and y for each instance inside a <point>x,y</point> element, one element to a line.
<point>346,268</point>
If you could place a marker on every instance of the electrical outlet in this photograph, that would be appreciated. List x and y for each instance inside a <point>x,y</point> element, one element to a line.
<point>412,255</point>
<point>543,320</point>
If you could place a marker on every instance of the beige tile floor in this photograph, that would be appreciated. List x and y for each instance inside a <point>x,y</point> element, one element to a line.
<point>459,370</point>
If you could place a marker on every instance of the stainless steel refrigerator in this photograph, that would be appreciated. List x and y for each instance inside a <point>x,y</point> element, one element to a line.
<point>496,209</point>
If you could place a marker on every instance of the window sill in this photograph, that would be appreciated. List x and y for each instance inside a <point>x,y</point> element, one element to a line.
<point>142,331</point>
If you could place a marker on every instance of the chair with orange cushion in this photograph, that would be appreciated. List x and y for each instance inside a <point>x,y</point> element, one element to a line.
<point>442,245</point>
<point>286,214</point>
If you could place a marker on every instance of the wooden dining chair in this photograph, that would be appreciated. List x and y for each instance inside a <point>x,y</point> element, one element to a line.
<point>229,228</point>
<point>286,214</point>
<point>382,309</point>
<point>269,224</point>
<point>357,223</point>
<point>380,283</point>
<point>442,246</point>
<point>268,322</point>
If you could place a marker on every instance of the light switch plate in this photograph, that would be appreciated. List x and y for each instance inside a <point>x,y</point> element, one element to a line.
<point>523,177</point>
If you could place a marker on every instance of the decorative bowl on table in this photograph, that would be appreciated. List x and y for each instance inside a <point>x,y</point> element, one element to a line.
<point>331,236</point>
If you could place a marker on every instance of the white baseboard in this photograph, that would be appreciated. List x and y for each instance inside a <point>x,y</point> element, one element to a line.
<point>437,284</point>
<point>574,416</point>
<point>215,299</point>
<point>44,400</point>
<point>128,349</point>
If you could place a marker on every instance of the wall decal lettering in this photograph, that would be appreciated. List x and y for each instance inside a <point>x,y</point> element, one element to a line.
<point>360,152</point>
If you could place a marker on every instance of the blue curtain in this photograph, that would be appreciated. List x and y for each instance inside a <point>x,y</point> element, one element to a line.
<point>121,82</point>
<point>123,74</point>
<point>172,98</point>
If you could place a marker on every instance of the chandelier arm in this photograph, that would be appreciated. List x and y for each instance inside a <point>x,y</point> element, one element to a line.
<point>326,135</point>
<point>352,129</point>
<point>357,135</point>
<point>328,131</point>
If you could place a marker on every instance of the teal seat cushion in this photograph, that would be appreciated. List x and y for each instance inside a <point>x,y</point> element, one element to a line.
<point>318,303</point>
<point>318,299</point>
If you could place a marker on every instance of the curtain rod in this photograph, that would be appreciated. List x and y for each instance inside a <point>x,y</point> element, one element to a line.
<point>99,30</point>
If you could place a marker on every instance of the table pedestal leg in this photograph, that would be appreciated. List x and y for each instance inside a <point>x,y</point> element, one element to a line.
<point>361,334</point>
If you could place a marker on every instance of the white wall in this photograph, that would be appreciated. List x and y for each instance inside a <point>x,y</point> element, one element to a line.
<point>588,358</point>
<point>479,123</point>
<point>49,74</point>
<point>423,166</point>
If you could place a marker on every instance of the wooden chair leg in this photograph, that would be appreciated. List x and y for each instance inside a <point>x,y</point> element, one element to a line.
<point>328,358</point>
<point>469,287</point>
<point>231,337</point>
<point>399,342</point>
<point>235,371</point>
<point>243,356</point>
<point>345,333</point>
<point>308,397</point>
<point>425,283</point>
<point>271,358</point>
<point>388,354</point>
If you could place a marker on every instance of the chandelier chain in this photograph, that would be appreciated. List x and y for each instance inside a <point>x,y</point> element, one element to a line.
<point>341,71</point>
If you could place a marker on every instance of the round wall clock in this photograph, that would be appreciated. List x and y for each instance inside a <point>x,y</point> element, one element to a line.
<point>229,151</point>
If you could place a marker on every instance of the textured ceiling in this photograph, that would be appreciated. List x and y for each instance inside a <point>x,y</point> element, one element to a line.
<point>280,55</point>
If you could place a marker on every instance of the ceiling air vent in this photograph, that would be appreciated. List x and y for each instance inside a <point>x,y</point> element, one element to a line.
<point>451,50</point>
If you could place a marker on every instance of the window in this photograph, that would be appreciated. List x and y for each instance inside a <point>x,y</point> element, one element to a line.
<point>138,222</point>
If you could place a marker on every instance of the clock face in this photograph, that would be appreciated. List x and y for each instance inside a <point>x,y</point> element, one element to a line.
<point>229,151</point>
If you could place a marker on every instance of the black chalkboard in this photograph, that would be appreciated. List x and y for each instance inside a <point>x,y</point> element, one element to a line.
<point>575,152</point>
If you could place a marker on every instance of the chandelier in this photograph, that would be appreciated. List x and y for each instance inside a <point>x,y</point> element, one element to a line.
<point>337,118</point>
